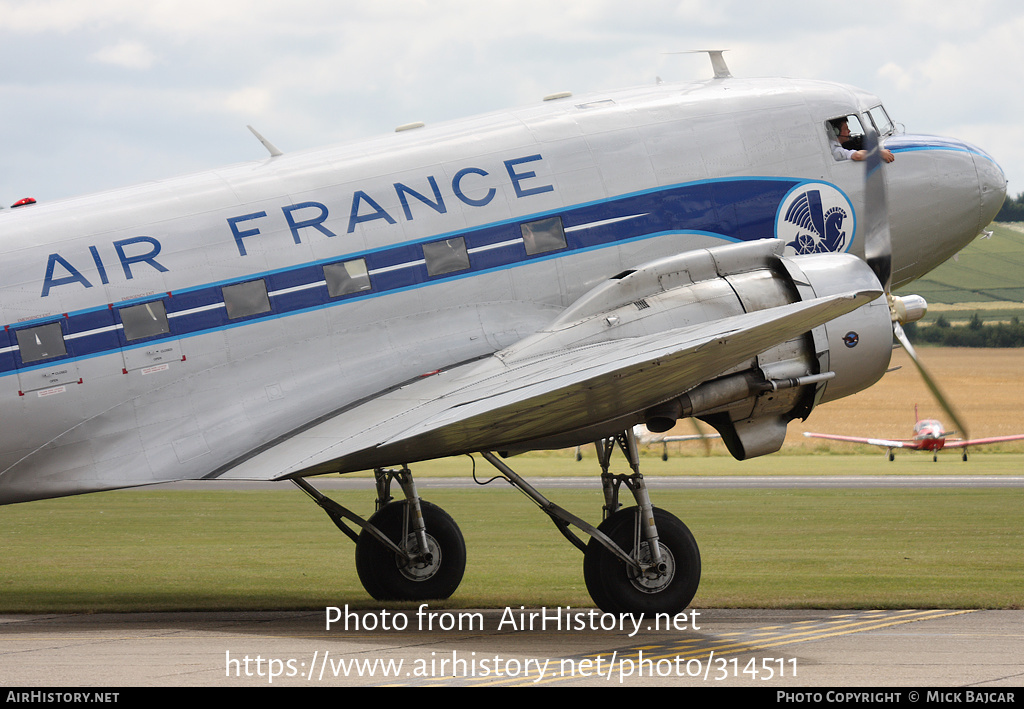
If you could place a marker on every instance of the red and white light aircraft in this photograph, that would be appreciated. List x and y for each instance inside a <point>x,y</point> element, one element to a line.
<point>929,435</point>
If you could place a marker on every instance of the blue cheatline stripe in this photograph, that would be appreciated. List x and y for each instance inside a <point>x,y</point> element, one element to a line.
<point>735,209</point>
<point>916,143</point>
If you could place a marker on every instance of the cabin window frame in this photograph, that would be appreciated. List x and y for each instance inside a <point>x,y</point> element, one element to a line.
<point>45,333</point>
<point>245,299</point>
<point>543,235</point>
<point>132,324</point>
<point>446,256</point>
<point>347,277</point>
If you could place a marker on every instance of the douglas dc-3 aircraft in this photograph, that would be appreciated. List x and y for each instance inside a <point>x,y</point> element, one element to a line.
<point>529,279</point>
<point>929,435</point>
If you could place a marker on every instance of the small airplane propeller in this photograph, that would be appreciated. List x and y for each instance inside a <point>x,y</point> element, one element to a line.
<point>705,439</point>
<point>878,255</point>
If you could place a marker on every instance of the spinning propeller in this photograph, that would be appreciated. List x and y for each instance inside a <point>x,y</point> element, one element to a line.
<point>878,254</point>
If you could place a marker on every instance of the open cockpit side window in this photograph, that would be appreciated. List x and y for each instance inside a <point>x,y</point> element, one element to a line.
<point>845,135</point>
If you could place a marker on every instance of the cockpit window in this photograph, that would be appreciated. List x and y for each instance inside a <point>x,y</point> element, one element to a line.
<point>881,121</point>
<point>845,135</point>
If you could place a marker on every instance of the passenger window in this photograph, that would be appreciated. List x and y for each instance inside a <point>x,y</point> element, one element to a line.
<point>244,299</point>
<point>446,256</point>
<point>543,235</point>
<point>43,342</point>
<point>146,320</point>
<point>347,277</point>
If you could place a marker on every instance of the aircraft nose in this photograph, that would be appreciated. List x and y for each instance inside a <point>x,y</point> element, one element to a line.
<point>942,194</point>
<point>991,185</point>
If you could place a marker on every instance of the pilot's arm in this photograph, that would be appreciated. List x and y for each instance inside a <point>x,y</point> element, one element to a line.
<point>859,155</point>
<point>841,153</point>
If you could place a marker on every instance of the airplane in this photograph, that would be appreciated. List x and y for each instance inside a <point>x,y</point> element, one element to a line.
<point>536,278</point>
<point>929,435</point>
<point>646,438</point>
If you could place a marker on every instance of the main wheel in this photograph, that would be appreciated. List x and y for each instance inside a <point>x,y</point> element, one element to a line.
<point>616,588</point>
<point>387,577</point>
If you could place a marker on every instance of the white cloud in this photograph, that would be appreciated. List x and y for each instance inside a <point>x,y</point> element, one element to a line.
<point>127,54</point>
<point>309,73</point>
<point>248,102</point>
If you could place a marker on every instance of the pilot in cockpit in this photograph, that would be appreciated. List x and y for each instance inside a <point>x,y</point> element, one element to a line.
<point>847,147</point>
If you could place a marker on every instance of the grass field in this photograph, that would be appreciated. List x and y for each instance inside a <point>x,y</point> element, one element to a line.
<point>274,550</point>
<point>986,386</point>
<point>987,277</point>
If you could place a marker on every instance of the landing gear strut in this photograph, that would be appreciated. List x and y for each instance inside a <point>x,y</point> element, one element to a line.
<point>407,551</point>
<point>640,559</point>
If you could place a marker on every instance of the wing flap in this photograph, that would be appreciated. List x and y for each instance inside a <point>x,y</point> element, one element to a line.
<point>496,403</point>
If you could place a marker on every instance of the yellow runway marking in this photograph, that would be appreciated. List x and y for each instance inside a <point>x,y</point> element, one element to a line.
<point>736,643</point>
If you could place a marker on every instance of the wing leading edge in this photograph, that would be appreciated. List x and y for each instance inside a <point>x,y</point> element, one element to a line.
<point>880,442</point>
<point>515,396</point>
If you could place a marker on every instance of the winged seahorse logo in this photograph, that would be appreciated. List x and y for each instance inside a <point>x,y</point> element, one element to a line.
<point>818,231</point>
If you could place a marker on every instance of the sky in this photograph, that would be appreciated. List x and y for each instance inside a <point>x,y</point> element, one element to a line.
<point>107,93</point>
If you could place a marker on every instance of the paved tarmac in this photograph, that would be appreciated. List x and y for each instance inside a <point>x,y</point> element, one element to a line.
<point>980,651</point>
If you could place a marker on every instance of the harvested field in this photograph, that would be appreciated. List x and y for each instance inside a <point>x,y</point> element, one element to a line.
<point>985,386</point>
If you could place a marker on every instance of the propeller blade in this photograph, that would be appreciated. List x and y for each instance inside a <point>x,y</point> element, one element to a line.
<point>704,438</point>
<point>878,242</point>
<point>932,386</point>
<point>878,255</point>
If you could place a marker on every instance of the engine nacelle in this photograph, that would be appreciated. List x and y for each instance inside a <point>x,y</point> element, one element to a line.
<point>750,403</point>
<point>837,359</point>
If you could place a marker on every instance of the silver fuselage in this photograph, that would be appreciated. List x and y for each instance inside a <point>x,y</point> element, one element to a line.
<point>635,176</point>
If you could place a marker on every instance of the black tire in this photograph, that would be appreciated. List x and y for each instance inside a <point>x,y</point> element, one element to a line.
<point>613,585</point>
<point>382,572</point>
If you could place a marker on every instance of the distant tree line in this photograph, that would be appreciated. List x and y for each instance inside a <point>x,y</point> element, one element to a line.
<point>975,334</point>
<point>1013,209</point>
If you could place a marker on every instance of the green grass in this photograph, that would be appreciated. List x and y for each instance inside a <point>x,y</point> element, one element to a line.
<point>986,271</point>
<point>146,550</point>
<point>816,457</point>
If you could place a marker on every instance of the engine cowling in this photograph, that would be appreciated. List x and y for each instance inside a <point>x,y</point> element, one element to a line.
<point>750,404</point>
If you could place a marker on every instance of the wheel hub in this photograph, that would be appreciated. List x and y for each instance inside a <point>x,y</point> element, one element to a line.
<point>654,579</point>
<point>423,565</point>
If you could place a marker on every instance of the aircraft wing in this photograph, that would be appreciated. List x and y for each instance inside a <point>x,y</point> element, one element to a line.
<point>982,441</point>
<point>880,442</point>
<point>526,393</point>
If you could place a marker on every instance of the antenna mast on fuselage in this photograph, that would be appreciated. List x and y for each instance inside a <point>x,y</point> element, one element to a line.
<point>717,61</point>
